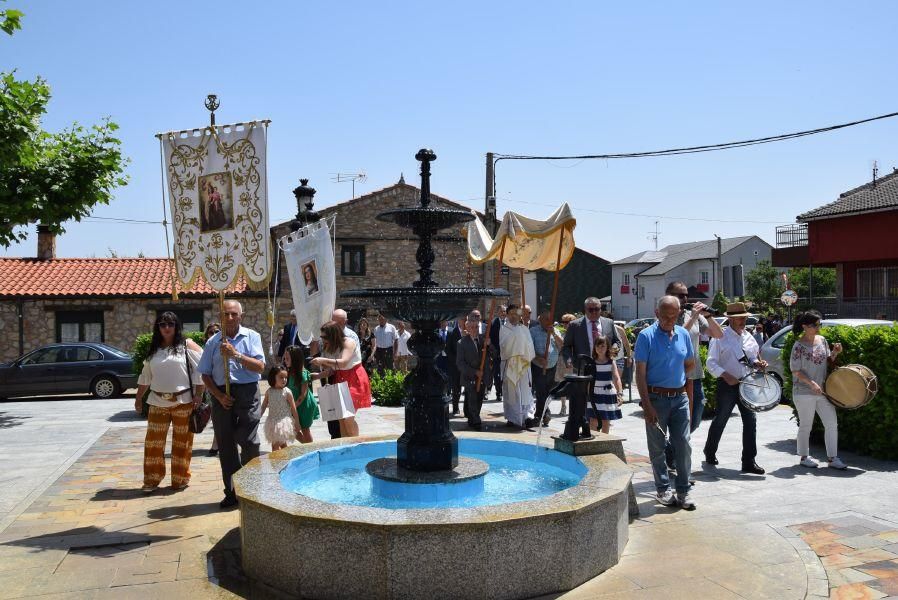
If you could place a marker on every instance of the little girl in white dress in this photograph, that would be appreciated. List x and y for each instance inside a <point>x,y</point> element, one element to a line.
<point>282,425</point>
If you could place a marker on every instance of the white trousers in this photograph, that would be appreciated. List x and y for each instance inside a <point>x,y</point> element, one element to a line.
<point>807,405</point>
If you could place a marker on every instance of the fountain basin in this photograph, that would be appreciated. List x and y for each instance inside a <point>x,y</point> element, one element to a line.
<point>315,549</point>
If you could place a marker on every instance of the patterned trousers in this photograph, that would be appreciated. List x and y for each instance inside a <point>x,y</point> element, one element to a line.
<point>181,446</point>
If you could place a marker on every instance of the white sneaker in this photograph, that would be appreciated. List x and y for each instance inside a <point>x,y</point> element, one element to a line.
<point>667,497</point>
<point>685,502</point>
<point>837,463</point>
<point>808,462</point>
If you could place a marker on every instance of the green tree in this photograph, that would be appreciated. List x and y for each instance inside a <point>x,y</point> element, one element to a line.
<point>763,285</point>
<point>720,302</point>
<point>46,177</point>
<point>824,282</point>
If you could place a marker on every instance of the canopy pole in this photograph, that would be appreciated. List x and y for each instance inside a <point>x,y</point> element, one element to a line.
<point>489,323</point>
<point>523,291</point>
<point>224,336</point>
<point>554,297</point>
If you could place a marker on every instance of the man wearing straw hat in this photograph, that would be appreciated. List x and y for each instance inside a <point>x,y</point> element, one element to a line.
<point>731,358</point>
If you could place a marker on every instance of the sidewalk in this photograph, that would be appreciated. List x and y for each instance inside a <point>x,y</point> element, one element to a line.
<point>794,533</point>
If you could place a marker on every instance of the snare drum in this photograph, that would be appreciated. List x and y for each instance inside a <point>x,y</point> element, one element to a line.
<point>851,386</point>
<point>759,392</point>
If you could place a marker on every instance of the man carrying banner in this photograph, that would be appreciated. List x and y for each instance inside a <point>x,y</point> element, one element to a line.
<point>235,416</point>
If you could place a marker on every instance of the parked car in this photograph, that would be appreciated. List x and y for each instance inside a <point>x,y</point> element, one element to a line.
<point>71,368</point>
<point>639,324</point>
<point>772,349</point>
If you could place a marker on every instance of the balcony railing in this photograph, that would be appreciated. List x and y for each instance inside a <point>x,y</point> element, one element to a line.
<point>791,236</point>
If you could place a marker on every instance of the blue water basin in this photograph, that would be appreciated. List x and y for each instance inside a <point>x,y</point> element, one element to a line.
<point>517,472</point>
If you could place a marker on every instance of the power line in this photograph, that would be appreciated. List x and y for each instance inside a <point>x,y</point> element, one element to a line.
<point>123,220</point>
<point>697,149</point>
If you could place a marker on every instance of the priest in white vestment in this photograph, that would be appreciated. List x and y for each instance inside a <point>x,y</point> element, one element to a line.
<point>516,349</point>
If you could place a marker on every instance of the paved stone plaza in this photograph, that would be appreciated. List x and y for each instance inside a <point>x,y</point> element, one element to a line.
<point>74,525</point>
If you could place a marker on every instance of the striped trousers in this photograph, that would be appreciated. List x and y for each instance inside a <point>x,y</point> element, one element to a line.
<point>181,446</point>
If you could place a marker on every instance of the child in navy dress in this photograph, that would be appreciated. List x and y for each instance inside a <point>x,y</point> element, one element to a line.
<point>607,391</point>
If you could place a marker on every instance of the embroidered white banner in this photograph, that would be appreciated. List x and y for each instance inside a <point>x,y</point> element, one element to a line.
<point>313,279</point>
<point>219,204</point>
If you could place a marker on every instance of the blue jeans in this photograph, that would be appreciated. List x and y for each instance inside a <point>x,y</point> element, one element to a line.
<point>673,418</point>
<point>698,407</point>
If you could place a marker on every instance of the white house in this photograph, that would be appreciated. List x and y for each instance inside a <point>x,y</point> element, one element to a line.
<point>638,281</point>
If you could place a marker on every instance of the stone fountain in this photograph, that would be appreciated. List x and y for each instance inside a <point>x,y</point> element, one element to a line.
<point>376,517</point>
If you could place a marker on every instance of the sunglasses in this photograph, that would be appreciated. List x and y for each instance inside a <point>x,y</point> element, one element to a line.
<point>165,325</point>
<point>681,295</point>
<point>593,309</point>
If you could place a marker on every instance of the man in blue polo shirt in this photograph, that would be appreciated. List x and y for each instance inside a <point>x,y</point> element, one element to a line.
<point>664,355</point>
<point>236,415</point>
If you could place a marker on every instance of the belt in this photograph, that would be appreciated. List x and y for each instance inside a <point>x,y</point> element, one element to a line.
<point>663,391</point>
<point>171,395</point>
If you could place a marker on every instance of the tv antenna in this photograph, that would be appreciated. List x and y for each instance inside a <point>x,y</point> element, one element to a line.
<point>361,177</point>
<point>655,234</point>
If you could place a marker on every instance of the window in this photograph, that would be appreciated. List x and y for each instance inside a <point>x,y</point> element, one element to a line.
<point>191,320</point>
<point>82,353</point>
<point>79,326</point>
<point>625,278</point>
<point>704,277</point>
<point>42,357</point>
<point>353,260</point>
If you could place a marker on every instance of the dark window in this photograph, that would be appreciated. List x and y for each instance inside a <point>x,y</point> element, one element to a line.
<point>43,357</point>
<point>353,262</point>
<point>79,326</point>
<point>191,320</point>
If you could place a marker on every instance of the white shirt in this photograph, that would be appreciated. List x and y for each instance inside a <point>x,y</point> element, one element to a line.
<point>724,353</point>
<point>167,372</point>
<point>402,346</point>
<point>385,336</point>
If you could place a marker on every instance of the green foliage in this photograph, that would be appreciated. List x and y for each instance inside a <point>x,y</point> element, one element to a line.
<point>388,389</point>
<point>870,429</point>
<point>720,301</point>
<point>824,282</point>
<point>46,177</point>
<point>763,286</point>
<point>709,383</point>
<point>141,348</point>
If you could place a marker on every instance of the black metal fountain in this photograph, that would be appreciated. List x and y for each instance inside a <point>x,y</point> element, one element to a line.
<point>428,443</point>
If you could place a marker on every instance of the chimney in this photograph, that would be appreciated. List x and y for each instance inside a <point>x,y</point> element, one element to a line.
<point>46,243</point>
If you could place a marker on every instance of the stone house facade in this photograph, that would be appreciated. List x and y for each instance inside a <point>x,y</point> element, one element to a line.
<point>371,253</point>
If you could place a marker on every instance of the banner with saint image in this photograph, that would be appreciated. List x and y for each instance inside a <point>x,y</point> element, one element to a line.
<point>309,255</point>
<point>219,203</point>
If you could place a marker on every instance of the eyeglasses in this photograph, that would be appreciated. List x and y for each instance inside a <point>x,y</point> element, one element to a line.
<point>165,325</point>
<point>593,309</point>
<point>681,295</point>
<point>816,325</point>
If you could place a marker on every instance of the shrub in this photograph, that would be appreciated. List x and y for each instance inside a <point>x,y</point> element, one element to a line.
<point>871,429</point>
<point>142,346</point>
<point>388,389</point>
<point>709,383</point>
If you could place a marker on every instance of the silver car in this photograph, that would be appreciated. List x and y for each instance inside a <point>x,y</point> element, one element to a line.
<point>772,349</point>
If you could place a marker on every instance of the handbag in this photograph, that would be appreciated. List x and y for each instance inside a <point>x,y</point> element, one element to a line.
<point>200,415</point>
<point>335,402</point>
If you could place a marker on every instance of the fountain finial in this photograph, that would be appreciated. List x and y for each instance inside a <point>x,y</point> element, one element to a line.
<point>426,157</point>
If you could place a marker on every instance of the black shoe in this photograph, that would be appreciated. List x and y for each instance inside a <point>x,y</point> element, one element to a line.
<point>229,501</point>
<point>710,459</point>
<point>455,412</point>
<point>753,468</point>
<point>546,420</point>
<point>212,452</point>
<point>475,426</point>
<point>691,480</point>
<point>530,423</point>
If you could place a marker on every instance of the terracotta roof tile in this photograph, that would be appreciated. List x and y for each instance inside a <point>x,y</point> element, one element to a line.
<point>68,277</point>
<point>870,197</point>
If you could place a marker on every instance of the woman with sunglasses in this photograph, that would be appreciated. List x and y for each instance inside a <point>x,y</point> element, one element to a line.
<point>810,360</point>
<point>175,386</point>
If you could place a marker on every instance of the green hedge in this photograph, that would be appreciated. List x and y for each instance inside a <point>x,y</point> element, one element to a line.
<point>709,383</point>
<point>388,389</point>
<point>142,347</point>
<point>871,429</point>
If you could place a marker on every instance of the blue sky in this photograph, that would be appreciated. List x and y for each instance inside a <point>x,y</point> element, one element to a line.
<point>360,86</point>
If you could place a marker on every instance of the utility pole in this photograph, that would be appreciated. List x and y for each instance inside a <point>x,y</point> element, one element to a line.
<point>656,234</point>
<point>719,273</point>
<point>489,212</point>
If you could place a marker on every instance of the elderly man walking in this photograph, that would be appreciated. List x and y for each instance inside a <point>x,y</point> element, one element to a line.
<point>581,333</point>
<point>542,369</point>
<point>517,352</point>
<point>468,364</point>
<point>235,416</point>
<point>664,356</point>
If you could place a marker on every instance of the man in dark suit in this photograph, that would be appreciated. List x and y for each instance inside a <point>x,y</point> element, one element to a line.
<point>288,336</point>
<point>452,338</point>
<point>494,350</point>
<point>580,333</point>
<point>468,364</point>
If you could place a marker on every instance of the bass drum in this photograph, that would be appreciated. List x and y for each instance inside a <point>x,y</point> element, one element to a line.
<point>851,386</point>
<point>759,392</point>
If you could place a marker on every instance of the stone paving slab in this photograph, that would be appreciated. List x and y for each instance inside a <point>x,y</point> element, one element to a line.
<point>91,534</point>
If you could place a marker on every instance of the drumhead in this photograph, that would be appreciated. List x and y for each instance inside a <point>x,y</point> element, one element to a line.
<point>851,386</point>
<point>759,392</point>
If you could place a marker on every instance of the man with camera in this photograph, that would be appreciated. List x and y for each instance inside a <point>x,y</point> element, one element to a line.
<point>694,318</point>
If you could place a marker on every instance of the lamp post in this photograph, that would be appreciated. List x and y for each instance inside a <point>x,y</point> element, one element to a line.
<point>305,213</point>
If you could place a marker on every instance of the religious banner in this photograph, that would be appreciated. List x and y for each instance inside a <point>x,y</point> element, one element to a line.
<point>219,203</point>
<point>313,279</point>
<point>525,243</point>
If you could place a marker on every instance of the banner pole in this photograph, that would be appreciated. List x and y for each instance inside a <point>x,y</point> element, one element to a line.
<point>554,297</point>
<point>224,335</point>
<point>489,323</point>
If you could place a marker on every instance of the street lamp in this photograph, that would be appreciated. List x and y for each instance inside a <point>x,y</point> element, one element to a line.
<point>305,213</point>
